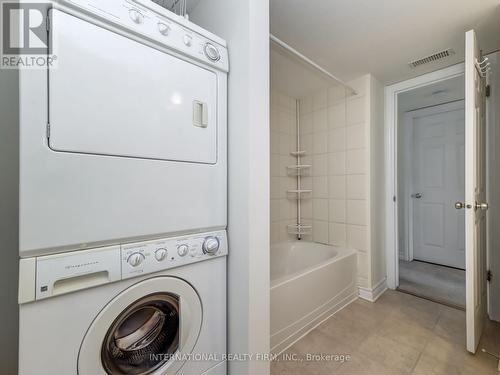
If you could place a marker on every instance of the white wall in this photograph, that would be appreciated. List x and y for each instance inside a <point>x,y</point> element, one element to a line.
<point>245,25</point>
<point>283,141</point>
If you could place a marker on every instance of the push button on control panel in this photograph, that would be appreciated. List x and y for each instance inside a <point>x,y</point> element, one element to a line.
<point>183,250</point>
<point>188,40</point>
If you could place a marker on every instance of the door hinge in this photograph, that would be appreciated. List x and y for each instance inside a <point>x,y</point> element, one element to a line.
<point>394,199</point>
<point>488,91</point>
<point>489,276</point>
<point>48,130</point>
<point>47,23</point>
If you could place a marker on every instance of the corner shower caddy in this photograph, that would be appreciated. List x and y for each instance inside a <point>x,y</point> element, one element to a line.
<point>298,170</point>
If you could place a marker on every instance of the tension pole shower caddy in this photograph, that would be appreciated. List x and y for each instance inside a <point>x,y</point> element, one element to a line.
<point>299,169</point>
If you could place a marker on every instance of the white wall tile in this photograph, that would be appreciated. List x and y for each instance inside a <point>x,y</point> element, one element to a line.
<point>337,234</point>
<point>275,187</point>
<point>320,186</point>
<point>320,100</point>
<point>306,182</point>
<point>336,94</point>
<point>275,142</point>
<point>306,143</point>
<point>320,165</point>
<point>356,186</point>
<point>337,140</point>
<point>320,121</point>
<point>337,163</point>
<point>357,237</point>
<point>275,165</point>
<point>356,161</point>
<point>356,212</point>
<point>275,210</point>
<point>320,142</point>
<point>284,163</point>
<point>306,208</point>
<point>337,116</point>
<point>356,110</point>
<point>306,123</point>
<point>337,187</point>
<point>275,233</point>
<point>320,231</point>
<point>337,210</point>
<point>306,105</point>
<point>356,136</point>
<point>320,209</point>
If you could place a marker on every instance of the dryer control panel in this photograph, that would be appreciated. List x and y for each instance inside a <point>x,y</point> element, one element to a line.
<point>156,23</point>
<point>157,255</point>
<point>48,276</point>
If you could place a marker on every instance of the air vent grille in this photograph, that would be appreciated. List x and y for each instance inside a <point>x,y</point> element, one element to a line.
<point>432,58</point>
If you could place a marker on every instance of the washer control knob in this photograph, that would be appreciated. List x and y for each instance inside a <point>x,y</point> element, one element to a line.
<point>211,245</point>
<point>135,259</point>
<point>160,254</point>
<point>163,28</point>
<point>183,250</point>
<point>136,16</point>
<point>188,40</point>
<point>211,52</point>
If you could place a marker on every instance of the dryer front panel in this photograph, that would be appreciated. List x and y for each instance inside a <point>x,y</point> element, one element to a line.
<point>110,95</point>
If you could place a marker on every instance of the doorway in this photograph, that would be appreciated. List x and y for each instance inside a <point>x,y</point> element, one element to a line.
<point>430,179</point>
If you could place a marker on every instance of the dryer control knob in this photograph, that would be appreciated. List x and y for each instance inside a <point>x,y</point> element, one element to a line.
<point>163,28</point>
<point>135,259</point>
<point>211,245</point>
<point>183,250</point>
<point>136,16</point>
<point>211,52</point>
<point>188,40</point>
<point>160,254</point>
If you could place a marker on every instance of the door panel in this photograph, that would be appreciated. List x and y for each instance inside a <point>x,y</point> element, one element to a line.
<point>129,100</point>
<point>475,192</point>
<point>438,135</point>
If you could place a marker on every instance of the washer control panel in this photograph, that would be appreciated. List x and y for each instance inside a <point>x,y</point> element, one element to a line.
<point>158,255</point>
<point>148,19</point>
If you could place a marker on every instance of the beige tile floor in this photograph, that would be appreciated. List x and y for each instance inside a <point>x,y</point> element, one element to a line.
<point>398,334</point>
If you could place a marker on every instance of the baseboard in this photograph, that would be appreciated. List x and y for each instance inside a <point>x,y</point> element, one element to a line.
<point>374,293</point>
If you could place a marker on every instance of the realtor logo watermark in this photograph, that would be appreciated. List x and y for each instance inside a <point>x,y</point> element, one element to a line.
<point>25,38</point>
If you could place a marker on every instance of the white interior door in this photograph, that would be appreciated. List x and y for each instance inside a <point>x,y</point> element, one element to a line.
<point>475,192</point>
<point>438,167</point>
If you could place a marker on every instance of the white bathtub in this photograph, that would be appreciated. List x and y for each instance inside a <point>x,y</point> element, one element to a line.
<point>309,282</point>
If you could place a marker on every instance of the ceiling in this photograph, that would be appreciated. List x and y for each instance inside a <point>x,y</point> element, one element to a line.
<point>354,37</point>
<point>438,93</point>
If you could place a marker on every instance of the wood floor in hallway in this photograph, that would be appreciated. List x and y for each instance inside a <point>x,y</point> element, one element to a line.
<point>398,334</point>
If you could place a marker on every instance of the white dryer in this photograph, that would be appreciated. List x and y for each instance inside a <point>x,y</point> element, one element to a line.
<point>124,137</point>
<point>156,307</point>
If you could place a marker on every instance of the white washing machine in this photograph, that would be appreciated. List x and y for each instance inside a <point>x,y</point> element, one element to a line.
<point>156,307</point>
<point>123,137</point>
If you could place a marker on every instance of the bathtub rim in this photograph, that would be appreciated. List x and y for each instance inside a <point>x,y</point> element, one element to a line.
<point>342,252</point>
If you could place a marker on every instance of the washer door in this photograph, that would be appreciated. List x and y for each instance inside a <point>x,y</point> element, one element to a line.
<point>147,329</point>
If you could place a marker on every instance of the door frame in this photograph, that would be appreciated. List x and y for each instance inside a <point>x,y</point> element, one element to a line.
<point>390,134</point>
<point>409,164</point>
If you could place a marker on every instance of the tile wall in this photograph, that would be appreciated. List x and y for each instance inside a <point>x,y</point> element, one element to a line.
<point>283,141</point>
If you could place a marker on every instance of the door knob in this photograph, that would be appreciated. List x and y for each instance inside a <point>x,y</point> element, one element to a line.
<point>417,195</point>
<point>459,205</point>
<point>482,206</point>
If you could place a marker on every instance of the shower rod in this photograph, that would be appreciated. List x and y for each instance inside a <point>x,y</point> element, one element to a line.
<point>293,51</point>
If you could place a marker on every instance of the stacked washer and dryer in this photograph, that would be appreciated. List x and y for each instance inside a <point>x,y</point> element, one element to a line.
<point>122,195</point>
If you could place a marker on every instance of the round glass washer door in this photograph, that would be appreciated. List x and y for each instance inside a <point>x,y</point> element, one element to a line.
<point>146,329</point>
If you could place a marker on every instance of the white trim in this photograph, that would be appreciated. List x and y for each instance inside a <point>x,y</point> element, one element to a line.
<point>391,105</point>
<point>374,293</point>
